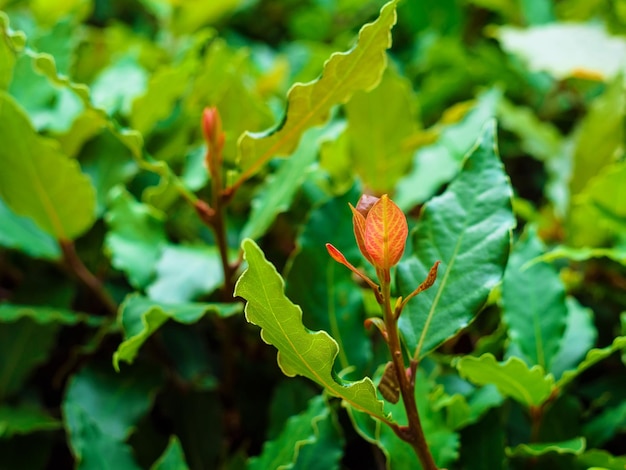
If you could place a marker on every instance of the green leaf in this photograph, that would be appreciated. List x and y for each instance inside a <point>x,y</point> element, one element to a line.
<point>436,164</point>
<point>565,50</point>
<point>533,301</point>
<point>300,351</point>
<point>599,137</point>
<point>100,409</point>
<point>379,125</point>
<point>108,163</point>
<point>280,188</point>
<point>185,272</point>
<point>24,419</point>
<point>442,441</point>
<point>309,440</point>
<point>601,459</point>
<point>290,398</point>
<point>136,237</point>
<point>113,402</point>
<point>574,446</point>
<point>118,85</point>
<point>173,458</point>
<point>164,88</point>
<point>579,337</point>
<point>45,315</point>
<point>467,228</point>
<point>140,317</point>
<point>309,104</point>
<point>483,444</point>
<point>333,302</point>
<point>43,184</point>
<point>603,201</point>
<point>593,357</point>
<point>606,425</point>
<point>24,344</point>
<point>22,234</point>
<point>530,387</point>
<point>617,254</point>
<point>7,56</point>
<point>538,138</point>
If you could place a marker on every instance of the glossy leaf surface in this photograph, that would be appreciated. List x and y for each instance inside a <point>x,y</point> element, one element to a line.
<point>300,351</point>
<point>535,312</point>
<point>332,303</point>
<point>467,228</point>
<point>309,104</point>
<point>528,386</point>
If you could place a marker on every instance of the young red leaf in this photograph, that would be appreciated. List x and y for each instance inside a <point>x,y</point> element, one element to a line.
<point>365,203</point>
<point>386,231</point>
<point>358,221</point>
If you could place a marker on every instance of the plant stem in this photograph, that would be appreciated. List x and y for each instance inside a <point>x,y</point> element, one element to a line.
<point>78,268</point>
<point>414,435</point>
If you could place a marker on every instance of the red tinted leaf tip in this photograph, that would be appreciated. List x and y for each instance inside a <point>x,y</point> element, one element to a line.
<point>386,231</point>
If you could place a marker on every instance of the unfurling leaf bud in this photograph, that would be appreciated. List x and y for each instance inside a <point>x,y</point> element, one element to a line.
<point>214,136</point>
<point>211,125</point>
<point>385,235</point>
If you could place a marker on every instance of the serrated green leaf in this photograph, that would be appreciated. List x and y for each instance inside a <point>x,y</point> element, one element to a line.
<point>533,301</point>
<point>467,228</point>
<point>530,387</point>
<point>308,104</point>
<point>333,303</point>
<point>140,317</point>
<point>300,351</point>
<point>173,457</point>
<point>183,273</point>
<point>136,237</point>
<point>593,357</point>
<point>39,182</point>
<point>379,125</point>
<point>280,188</point>
<point>442,441</point>
<point>579,337</point>
<point>574,446</point>
<point>25,419</point>
<point>436,164</point>
<point>310,433</point>
<point>22,234</point>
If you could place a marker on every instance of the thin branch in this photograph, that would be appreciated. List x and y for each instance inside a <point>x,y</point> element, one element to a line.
<point>76,266</point>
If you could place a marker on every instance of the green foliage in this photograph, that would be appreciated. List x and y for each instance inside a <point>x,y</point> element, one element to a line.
<point>300,351</point>
<point>134,234</point>
<point>471,220</point>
